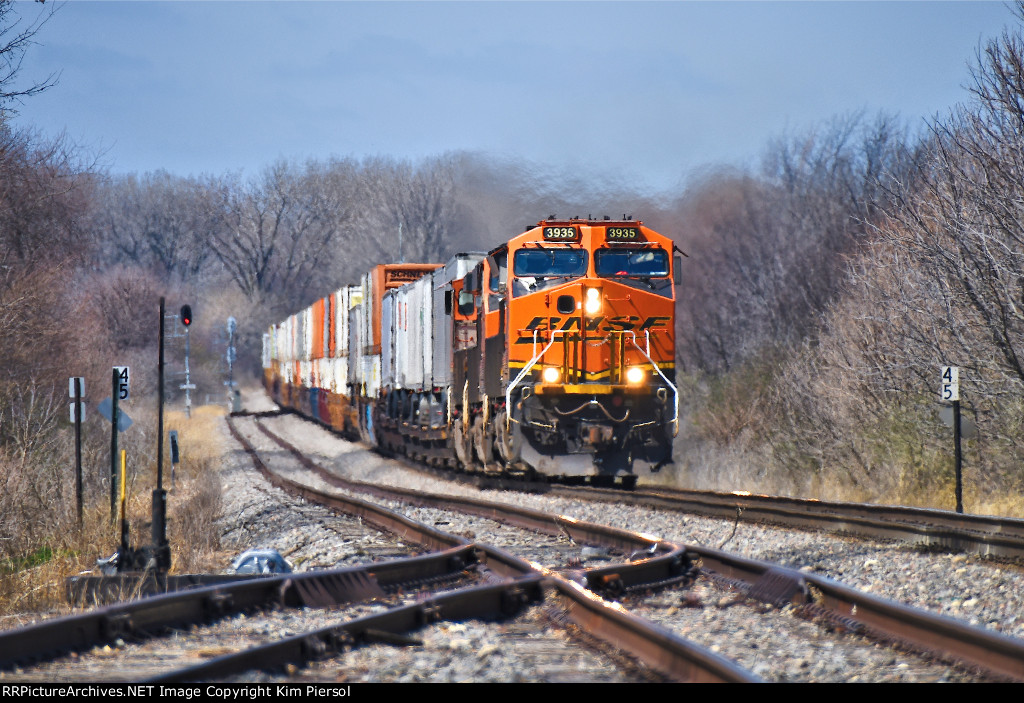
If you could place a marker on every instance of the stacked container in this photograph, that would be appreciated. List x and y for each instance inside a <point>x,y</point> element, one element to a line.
<point>441,352</point>
<point>416,329</point>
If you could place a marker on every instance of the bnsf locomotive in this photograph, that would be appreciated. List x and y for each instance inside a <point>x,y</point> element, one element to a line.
<point>553,355</point>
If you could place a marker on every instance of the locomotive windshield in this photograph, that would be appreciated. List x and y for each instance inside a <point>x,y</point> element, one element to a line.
<point>644,269</point>
<point>540,268</point>
<point>642,263</point>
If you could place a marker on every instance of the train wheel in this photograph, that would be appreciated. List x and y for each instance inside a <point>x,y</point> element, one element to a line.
<point>483,444</point>
<point>509,438</point>
<point>461,444</point>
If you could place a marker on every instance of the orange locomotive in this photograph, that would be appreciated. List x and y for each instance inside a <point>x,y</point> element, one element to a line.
<point>553,354</point>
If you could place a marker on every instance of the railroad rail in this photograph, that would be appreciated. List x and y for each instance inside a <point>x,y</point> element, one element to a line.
<point>986,535</point>
<point>660,563</point>
<point>993,536</point>
<point>867,614</point>
<point>941,636</point>
<point>157,613</point>
<point>512,585</point>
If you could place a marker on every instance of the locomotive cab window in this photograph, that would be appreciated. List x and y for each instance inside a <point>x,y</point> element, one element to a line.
<point>643,263</point>
<point>646,269</point>
<point>498,265</point>
<point>465,300</point>
<point>540,268</point>
<point>499,271</point>
<point>467,304</point>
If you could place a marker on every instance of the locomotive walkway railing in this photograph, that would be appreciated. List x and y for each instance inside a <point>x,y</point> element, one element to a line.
<point>675,391</point>
<point>522,374</point>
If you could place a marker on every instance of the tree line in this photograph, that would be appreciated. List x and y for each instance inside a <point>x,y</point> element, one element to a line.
<point>861,259</point>
<point>823,288</point>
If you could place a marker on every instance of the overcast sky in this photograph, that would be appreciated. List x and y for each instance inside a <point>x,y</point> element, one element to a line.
<point>645,93</point>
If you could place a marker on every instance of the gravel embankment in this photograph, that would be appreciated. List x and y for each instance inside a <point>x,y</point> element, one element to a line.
<point>774,644</point>
<point>528,648</point>
<point>974,589</point>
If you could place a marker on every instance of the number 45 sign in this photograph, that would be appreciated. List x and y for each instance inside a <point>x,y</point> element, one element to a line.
<point>122,382</point>
<point>950,389</point>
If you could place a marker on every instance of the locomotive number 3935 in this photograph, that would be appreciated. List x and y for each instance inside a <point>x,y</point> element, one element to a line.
<point>560,233</point>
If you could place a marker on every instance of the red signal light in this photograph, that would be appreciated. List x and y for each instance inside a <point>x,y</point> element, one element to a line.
<point>186,315</point>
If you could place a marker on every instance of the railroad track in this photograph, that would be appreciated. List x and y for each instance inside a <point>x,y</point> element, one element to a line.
<point>817,597</point>
<point>656,561</point>
<point>518,586</point>
<point>986,535</point>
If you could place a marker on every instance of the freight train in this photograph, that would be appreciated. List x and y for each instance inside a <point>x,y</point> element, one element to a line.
<point>552,355</point>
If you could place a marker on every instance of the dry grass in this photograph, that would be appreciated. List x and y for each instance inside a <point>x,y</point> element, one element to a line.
<point>35,585</point>
<point>193,501</point>
<point>709,466</point>
<point>32,589</point>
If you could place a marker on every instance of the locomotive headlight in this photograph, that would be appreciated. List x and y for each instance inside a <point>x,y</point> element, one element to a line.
<point>550,374</point>
<point>634,375</point>
<point>592,304</point>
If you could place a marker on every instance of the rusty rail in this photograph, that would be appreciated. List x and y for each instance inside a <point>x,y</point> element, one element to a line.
<point>61,635</point>
<point>1001,655</point>
<point>937,634</point>
<point>664,652</point>
<point>656,561</point>
<point>659,563</point>
<point>983,534</point>
<point>501,600</point>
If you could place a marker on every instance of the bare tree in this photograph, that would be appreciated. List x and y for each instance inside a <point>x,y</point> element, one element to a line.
<point>772,247</point>
<point>43,192</point>
<point>277,235</point>
<point>43,199</point>
<point>939,282</point>
<point>16,36</point>
<point>157,221</point>
<point>962,221</point>
<point>411,209</point>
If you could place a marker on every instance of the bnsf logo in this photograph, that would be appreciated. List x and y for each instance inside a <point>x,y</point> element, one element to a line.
<point>620,323</point>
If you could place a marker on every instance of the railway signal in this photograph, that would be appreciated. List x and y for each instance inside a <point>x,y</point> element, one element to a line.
<point>234,398</point>
<point>187,386</point>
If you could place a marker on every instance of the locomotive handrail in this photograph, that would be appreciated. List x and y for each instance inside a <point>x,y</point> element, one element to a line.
<point>675,391</point>
<point>522,374</point>
<point>533,362</point>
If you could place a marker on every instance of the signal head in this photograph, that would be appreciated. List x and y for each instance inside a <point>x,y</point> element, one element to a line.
<point>186,315</point>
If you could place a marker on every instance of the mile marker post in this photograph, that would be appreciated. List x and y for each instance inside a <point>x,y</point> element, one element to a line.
<point>114,384</point>
<point>950,390</point>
